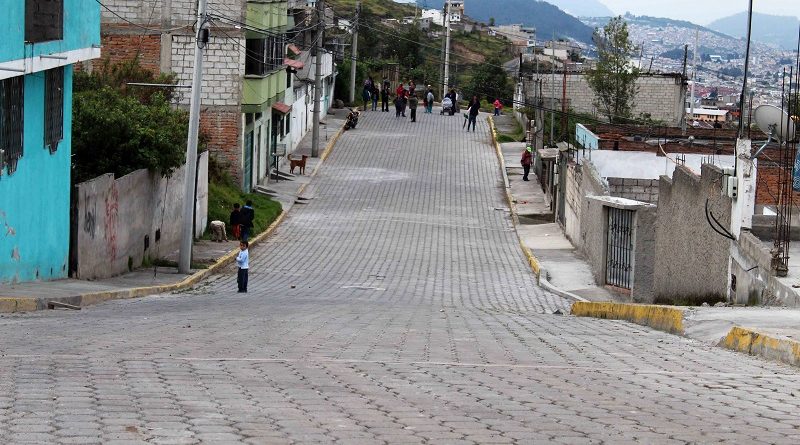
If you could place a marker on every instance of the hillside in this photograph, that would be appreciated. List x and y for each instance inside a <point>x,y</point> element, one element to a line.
<point>545,17</point>
<point>583,8</point>
<point>775,30</point>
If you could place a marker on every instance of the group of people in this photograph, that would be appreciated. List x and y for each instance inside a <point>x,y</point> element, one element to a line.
<point>241,223</point>
<point>405,98</point>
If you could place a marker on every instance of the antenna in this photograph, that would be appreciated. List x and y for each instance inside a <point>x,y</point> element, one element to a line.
<point>776,124</point>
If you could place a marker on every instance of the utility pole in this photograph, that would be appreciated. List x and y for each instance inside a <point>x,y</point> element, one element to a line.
<point>187,236</point>
<point>447,47</point>
<point>683,107</point>
<point>318,78</point>
<point>694,73</point>
<point>553,88</point>
<point>564,121</point>
<point>354,58</point>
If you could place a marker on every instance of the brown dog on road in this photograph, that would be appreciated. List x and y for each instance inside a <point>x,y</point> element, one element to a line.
<point>297,163</point>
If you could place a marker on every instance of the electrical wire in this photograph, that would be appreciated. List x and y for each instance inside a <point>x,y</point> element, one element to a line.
<point>147,28</point>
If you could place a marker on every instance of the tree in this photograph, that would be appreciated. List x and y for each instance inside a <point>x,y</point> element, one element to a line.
<point>491,21</point>
<point>119,129</point>
<point>489,80</point>
<point>613,79</point>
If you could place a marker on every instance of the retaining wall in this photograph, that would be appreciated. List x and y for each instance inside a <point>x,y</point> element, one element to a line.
<point>122,221</point>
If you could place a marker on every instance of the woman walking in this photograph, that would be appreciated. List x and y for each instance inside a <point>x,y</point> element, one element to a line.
<point>474,109</point>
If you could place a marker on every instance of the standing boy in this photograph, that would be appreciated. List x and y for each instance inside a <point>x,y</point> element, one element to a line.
<point>243,262</point>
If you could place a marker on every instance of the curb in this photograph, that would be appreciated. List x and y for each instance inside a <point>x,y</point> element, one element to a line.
<point>322,157</point>
<point>663,318</point>
<point>750,342</point>
<point>28,304</point>
<point>532,260</point>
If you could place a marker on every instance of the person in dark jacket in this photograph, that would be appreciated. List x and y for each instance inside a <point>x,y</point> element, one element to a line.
<point>385,98</point>
<point>248,215</point>
<point>474,109</point>
<point>526,161</point>
<point>413,102</point>
<point>236,222</point>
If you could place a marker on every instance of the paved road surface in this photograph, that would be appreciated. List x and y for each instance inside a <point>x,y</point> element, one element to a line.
<point>396,307</point>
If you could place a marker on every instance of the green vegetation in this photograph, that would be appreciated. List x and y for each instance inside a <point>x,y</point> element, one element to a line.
<point>118,128</point>
<point>516,136</point>
<point>613,79</point>
<point>405,50</point>
<point>223,194</point>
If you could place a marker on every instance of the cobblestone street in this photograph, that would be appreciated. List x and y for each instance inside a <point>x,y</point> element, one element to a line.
<point>395,307</point>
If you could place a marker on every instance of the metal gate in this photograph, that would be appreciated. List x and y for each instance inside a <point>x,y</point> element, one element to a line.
<point>619,254</point>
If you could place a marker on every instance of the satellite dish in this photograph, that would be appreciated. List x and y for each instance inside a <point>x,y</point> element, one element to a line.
<point>773,121</point>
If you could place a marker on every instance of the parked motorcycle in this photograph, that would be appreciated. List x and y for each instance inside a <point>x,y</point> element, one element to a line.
<point>352,119</point>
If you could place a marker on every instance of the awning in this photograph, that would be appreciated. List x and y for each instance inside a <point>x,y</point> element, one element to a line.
<point>281,107</point>
<point>296,64</point>
<point>293,48</point>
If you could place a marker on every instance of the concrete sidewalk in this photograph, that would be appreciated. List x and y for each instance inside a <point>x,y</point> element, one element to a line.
<point>40,295</point>
<point>769,332</point>
<point>560,263</point>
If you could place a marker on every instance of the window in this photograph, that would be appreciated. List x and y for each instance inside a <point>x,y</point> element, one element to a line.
<point>255,63</point>
<point>53,108</point>
<point>264,55</point>
<point>288,121</point>
<point>44,20</point>
<point>11,101</point>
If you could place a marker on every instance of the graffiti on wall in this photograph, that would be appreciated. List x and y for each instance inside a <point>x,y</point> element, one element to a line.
<point>90,218</point>
<point>112,210</point>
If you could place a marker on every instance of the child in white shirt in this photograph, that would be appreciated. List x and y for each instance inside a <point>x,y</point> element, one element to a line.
<point>243,262</point>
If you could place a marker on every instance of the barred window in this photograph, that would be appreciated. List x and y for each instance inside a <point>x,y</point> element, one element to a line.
<point>11,107</point>
<point>44,20</point>
<point>264,55</point>
<point>53,108</point>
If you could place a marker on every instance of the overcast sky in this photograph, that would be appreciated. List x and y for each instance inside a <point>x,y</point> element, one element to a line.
<point>701,11</point>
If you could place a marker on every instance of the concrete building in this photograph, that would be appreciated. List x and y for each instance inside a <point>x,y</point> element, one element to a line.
<point>660,96</point>
<point>247,83</point>
<point>456,10</point>
<point>42,41</point>
<point>706,114</point>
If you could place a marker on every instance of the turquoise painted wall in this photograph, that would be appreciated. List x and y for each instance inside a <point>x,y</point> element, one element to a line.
<point>81,29</point>
<point>34,200</point>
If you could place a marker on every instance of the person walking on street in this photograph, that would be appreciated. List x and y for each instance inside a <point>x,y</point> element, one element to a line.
<point>243,265</point>
<point>497,106</point>
<point>413,102</point>
<point>430,98</point>
<point>474,109</point>
<point>248,215</point>
<point>385,98</point>
<point>526,161</point>
<point>374,93</point>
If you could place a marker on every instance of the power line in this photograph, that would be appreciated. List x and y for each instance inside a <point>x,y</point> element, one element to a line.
<point>158,30</point>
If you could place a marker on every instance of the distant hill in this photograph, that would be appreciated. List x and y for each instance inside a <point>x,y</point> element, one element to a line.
<point>775,30</point>
<point>582,8</point>
<point>545,17</point>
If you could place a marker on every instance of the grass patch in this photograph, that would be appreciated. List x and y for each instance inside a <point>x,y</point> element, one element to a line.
<point>160,262</point>
<point>222,196</point>
<point>691,300</point>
